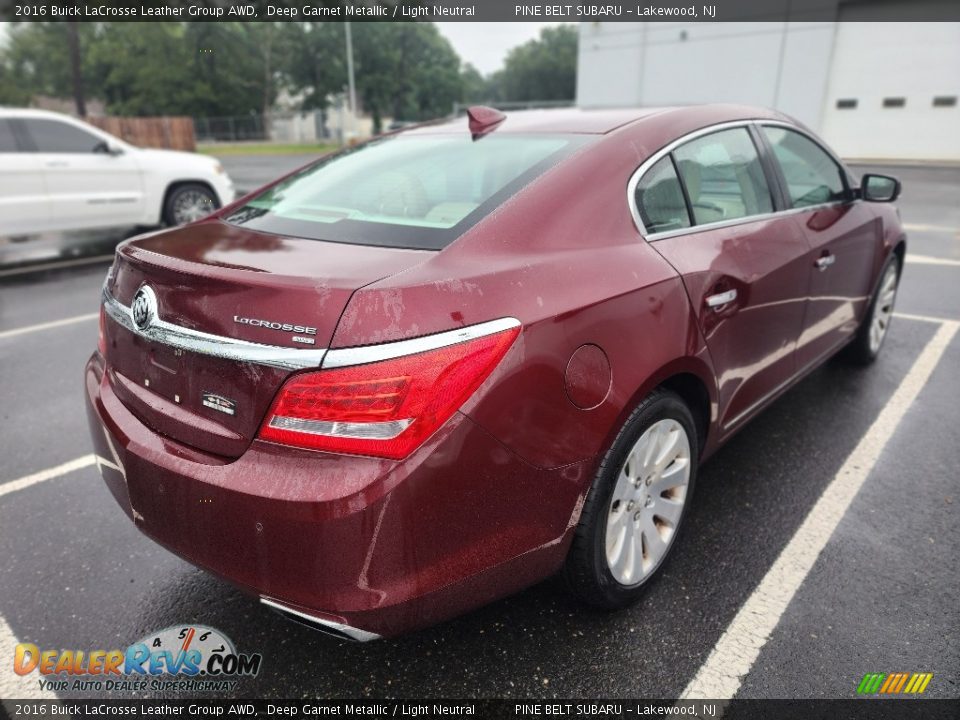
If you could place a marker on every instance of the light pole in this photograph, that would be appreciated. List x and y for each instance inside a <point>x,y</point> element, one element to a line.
<point>350,82</point>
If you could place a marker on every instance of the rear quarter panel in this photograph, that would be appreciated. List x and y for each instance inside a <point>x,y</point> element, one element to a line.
<point>564,257</point>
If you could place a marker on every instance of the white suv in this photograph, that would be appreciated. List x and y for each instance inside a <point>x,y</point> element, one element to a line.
<point>58,173</point>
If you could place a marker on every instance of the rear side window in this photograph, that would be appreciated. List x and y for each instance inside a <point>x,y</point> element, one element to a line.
<point>404,191</point>
<point>660,200</point>
<point>812,175</point>
<point>53,136</point>
<point>723,177</point>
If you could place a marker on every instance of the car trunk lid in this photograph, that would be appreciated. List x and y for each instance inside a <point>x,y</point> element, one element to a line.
<point>234,313</point>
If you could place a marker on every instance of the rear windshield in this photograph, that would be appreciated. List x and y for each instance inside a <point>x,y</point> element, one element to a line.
<point>404,191</point>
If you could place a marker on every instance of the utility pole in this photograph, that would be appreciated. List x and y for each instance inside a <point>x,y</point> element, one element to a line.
<point>352,89</point>
<point>73,40</point>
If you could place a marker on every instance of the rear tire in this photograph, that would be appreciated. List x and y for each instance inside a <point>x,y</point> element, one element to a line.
<point>189,202</point>
<point>866,345</point>
<point>636,505</point>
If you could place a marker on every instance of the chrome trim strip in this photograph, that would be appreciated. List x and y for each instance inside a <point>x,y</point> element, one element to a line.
<point>344,357</point>
<point>386,430</point>
<point>673,145</point>
<point>214,345</point>
<point>653,159</point>
<point>337,628</point>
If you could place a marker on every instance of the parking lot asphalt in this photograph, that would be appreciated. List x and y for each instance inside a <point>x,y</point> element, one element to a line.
<point>881,597</point>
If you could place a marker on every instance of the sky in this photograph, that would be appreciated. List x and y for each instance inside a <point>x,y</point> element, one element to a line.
<point>483,45</point>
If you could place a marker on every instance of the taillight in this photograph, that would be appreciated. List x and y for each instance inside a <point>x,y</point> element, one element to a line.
<point>102,337</point>
<point>386,408</point>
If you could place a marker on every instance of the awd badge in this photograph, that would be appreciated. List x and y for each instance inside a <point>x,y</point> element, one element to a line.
<point>218,402</point>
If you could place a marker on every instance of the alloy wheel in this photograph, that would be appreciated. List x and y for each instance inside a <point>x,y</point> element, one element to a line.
<point>883,308</point>
<point>647,502</point>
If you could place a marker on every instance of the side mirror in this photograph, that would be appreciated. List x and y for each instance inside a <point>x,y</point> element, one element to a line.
<point>879,188</point>
<point>103,147</point>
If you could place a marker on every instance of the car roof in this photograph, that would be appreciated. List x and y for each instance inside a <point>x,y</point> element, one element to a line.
<point>594,122</point>
<point>557,120</point>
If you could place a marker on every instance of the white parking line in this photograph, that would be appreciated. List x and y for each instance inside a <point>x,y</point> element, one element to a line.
<point>11,684</point>
<point>930,260</point>
<point>47,325</point>
<point>919,227</point>
<point>720,677</point>
<point>48,474</point>
<point>923,318</point>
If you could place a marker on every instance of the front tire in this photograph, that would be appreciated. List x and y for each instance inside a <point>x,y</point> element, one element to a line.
<point>636,505</point>
<point>189,202</point>
<point>866,345</point>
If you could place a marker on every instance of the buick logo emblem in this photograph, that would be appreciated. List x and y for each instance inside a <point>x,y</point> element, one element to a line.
<point>144,308</point>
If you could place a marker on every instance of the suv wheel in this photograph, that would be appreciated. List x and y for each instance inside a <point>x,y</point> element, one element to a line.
<point>186,203</point>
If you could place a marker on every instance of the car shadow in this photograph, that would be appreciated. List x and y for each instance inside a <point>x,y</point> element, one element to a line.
<point>25,250</point>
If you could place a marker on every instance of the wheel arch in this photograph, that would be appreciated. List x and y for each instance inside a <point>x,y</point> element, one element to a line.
<point>900,250</point>
<point>174,184</point>
<point>693,380</point>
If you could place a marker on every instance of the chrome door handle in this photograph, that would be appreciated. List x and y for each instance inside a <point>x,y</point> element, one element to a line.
<point>721,299</point>
<point>825,261</point>
<point>58,163</point>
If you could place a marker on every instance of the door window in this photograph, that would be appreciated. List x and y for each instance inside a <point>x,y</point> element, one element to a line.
<point>53,136</point>
<point>8,143</point>
<point>659,199</point>
<point>812,176</point>
<point>723,177</point>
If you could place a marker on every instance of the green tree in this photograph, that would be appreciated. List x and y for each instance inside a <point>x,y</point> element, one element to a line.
<point>313,61</point>
<point>540,69</point>
<point>474,88</point>
<point>38,56</point>
<point>11,91</point>
<point>199,69</point>
<point>407,70</point>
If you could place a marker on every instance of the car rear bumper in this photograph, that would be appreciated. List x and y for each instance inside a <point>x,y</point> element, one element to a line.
<point>379,546</point>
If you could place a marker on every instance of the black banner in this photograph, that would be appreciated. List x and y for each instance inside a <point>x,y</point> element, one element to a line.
<point>865,709</point>
<point>478,10</point>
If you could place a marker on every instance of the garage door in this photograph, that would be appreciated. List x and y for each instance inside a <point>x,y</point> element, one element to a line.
<point>894,87</point>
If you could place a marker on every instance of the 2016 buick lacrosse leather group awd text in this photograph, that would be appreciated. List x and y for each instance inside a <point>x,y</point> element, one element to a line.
<point>429,371</point>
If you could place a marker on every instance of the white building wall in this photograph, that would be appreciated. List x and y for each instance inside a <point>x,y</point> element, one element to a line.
<point>914,61</point>
<point>772,64</point>
<point>801,68</point>
<point>609,58</point>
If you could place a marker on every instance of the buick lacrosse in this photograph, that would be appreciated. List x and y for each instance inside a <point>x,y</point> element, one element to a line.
<point>429,371</point>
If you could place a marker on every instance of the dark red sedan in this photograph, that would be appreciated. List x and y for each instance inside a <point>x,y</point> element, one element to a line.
<point>427,372</point>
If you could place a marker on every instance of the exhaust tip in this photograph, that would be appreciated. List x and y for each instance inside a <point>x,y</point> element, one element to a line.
<point>320,624</point>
